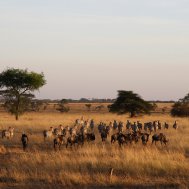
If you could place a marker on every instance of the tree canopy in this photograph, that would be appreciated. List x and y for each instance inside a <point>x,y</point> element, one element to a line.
<point>17,86</point>
<point>62,106</point>
<point>181,108</point>
<point>129,102</point>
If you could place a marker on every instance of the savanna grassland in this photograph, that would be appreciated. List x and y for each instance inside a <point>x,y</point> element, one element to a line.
<point>90,166</point>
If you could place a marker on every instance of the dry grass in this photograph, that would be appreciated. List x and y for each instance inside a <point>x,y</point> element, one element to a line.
<point>134,166</point>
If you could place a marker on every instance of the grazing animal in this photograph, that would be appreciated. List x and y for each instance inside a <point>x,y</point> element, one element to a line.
<point>120,127</point>
<point>48,133</point>
<point>9,133</point>
<point>73,139</point>
<point>139,125</point>
<point>159,137</point>
<point>145,138</point>
<point>114,137</point>
<point>166,125</point>
<point>58,141</point>
<point>155,125</point>
<point>115,125</point>
<point>104,136</point>
<point>135,136</point>
<point>90,137</point>
<point>175,125</point>
<point>128,125</point>
<point>24,140</point>
<point>134,127</point>
<point>58,131</point>
<point>122,138</point>
<point>159,125</point>
<point>92,124</point>
<point>101,127</point>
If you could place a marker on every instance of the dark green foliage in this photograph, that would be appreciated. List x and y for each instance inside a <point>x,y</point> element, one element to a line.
<point>181,108</point>
<point>129,102</point>
<point>17,87</point>
<point>61,106</point>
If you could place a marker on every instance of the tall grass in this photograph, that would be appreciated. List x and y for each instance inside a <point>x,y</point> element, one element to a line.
<point>133,165</point>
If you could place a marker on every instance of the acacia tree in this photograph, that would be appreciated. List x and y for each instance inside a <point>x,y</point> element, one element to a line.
<point>129,102</point>
<point>88,106</point>
<point>61,106</point>
<point>17,87</point>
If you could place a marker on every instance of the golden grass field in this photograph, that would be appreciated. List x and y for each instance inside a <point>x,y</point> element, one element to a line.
<point>134,166</point>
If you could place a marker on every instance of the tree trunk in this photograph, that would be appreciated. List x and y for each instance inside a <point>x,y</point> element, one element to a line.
<point>16,116</point>
<point>17,107</point>
<point>132,114</point>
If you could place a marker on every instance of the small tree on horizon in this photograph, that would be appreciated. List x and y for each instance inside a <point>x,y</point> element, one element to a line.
<point>61,106</point>
<point>88,106</point>
<point>17,87</point>
<point>181,108</point>
<point>129,102</point>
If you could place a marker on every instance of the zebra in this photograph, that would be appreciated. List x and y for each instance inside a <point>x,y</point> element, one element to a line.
<point>155,125</point>
<point>58,131</point>
<point>9,133</point>
<point>92,124</point>
<point>148,126</point>
<point>128,125</point>
<point>48,133</point>
<point>134,127</point>
<point>120,127</point>
<point>58,141</point>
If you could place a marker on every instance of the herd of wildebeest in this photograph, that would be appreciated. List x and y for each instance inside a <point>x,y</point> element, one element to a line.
<point>83,131</point>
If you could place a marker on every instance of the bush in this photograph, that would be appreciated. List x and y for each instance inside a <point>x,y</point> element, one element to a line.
<point>181,108</point>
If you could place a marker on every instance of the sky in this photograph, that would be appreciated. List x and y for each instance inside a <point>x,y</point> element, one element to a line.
<point>92,48</point>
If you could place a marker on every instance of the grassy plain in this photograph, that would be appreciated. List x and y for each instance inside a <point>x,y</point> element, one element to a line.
<point>133,166</point>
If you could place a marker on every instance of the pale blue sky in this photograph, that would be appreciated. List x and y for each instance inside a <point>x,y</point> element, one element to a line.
<point>92,48</point>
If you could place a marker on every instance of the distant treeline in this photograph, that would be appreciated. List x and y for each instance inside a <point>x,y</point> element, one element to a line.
<point>81,100</point>
<point>86,100</point>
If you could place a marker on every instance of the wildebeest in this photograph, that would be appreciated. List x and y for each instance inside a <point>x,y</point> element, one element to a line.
<point>121,138</point>
<point>115,125</point>
<point>90,137</point>
<point>24,140</point>
<point>159,125</point>
<point>145,138</point>
<point>159,137</point>
<point>166,125</point>
<point>9,133</point>
<point>175,125</point>
<point>114,137</point>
